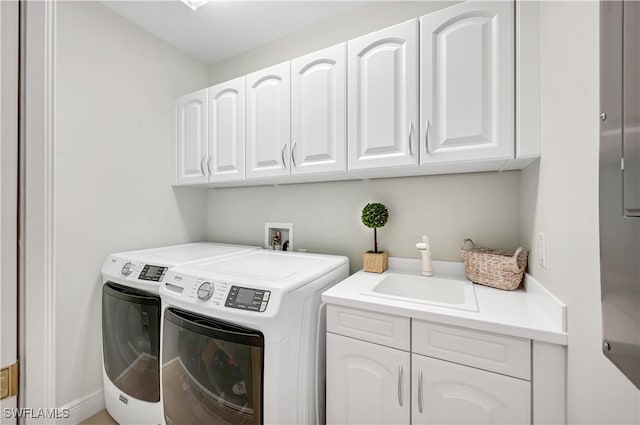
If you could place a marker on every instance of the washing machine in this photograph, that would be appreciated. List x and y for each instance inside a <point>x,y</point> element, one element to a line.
<point>243,339</point>
<point>131,312</point>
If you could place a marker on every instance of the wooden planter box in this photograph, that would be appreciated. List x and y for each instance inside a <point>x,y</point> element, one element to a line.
<point>375,262</point>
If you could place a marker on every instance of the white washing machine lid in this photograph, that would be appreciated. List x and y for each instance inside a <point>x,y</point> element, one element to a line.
<point>165,257</point>
<point>272,269</point>
<point>185,253</point>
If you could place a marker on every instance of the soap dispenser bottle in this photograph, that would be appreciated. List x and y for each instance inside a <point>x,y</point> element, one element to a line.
<point>425,250</point>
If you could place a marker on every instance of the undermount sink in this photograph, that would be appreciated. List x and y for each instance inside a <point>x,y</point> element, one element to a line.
<point>439,291</point>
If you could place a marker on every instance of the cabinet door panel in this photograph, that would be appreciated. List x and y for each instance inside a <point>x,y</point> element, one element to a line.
<point>467,83</point>
<point>366,383</point>
<point>382,98</point>
<point>319,111</point>
<point>448,393</point>
<point>191,138</point>
<point>226,131</point>
<point>268,122</point>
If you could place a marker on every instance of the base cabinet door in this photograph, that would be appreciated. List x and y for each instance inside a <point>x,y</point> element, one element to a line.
<point>467,83</point>
<point>449,393</point>
<point>366,383</point>
<point>190,143</point>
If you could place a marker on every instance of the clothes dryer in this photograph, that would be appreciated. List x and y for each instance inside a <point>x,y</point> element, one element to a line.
<point>131,310</point>
<point>243,338</point>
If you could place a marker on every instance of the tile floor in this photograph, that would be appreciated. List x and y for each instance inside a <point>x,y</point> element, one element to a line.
<point>100,418</point>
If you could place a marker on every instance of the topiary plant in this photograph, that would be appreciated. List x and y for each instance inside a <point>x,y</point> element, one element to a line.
<point>375,215</point>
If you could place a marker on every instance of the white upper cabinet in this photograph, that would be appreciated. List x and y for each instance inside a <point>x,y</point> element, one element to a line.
<point>319,112</point>
<point>226,131</point>
<point>382,98</point>
<point>467,83</point>
<point>433,95</point>
<point>450,393</point>
<point>366,383</point>
<point>190,142</point>
<point>268,122</point>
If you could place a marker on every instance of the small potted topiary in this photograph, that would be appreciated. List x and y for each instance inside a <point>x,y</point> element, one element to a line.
<point>375,215</point>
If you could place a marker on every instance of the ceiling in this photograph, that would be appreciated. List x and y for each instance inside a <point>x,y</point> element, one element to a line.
<point>222,29</point>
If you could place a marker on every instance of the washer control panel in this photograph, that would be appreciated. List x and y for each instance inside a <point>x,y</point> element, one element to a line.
<point>248,299</point>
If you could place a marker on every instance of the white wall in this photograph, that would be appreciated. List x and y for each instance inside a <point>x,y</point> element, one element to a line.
<point>115,87</point>
<point>352,24</point>
<point>560,198</point>
<point>326,216</point>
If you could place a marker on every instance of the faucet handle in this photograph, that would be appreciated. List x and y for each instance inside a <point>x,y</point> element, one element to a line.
<point>421,245</point>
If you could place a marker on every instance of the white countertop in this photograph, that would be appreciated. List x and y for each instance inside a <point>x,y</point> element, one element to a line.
<point>532,312</point>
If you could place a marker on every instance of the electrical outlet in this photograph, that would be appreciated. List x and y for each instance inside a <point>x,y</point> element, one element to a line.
<point>542,250</point>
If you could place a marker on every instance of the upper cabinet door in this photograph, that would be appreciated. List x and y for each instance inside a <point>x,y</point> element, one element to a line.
<point>226,131</point>
<point>382,99</point>
<point>444,392</point>
<point>191,138</point>
<point>268,122</point>
<point>467,83</point>
<point>319,111</point>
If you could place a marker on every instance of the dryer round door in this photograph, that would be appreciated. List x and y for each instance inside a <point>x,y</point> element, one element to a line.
<point>211,371</point>
<point>130,340</point>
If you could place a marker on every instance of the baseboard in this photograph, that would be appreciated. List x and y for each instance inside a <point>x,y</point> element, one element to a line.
<point>83,408</point>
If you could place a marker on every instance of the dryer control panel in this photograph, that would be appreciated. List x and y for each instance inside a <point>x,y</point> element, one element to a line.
<point>153,273</point>
<point>248,299</point>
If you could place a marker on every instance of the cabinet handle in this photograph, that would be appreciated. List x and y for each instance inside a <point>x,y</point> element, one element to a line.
<point>209,164</point>
<point>204,158</point>
<point>420,391</point>
<point>426,137</point>
<point>410,131</point>
<point>282,155</point>
<point>293,153</point>
<point>400,385</point>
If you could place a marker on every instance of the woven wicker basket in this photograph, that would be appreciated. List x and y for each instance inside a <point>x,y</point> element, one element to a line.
<point>490,267</point>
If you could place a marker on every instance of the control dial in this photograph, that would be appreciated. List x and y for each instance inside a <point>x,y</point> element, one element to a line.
<point>205,291</point>
<point>127,268</point>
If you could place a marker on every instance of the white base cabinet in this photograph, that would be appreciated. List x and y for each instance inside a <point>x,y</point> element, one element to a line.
<point>449,393</point>
<point>369,382</point>
<point>468,376</point>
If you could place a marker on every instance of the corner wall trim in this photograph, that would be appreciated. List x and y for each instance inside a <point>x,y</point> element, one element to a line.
<point>37,252</point>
